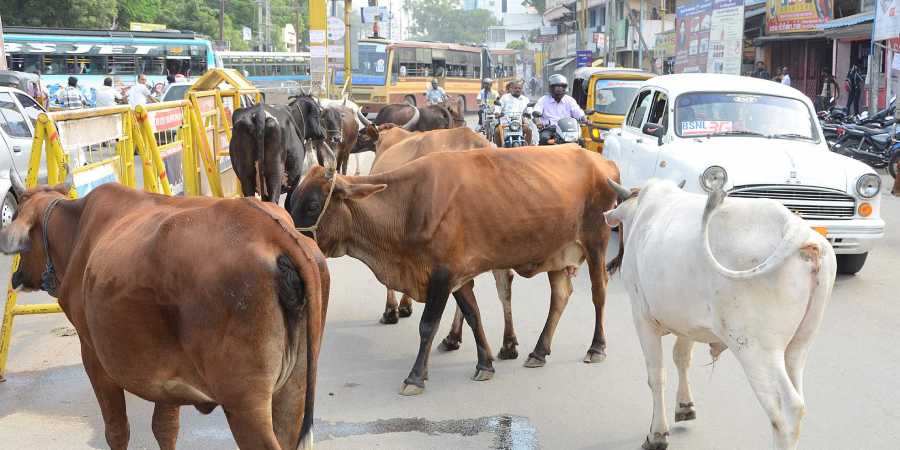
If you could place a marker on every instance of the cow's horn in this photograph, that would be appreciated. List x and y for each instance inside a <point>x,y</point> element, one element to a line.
<point>17,186</point>
<point>621,192</point>
<point>412,122</point>
<point>363,119</point>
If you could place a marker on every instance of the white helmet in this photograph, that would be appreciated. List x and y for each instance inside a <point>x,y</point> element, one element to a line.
<point>557,79</point>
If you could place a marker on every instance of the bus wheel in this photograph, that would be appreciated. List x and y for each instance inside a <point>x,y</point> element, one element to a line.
<point>410,100</point>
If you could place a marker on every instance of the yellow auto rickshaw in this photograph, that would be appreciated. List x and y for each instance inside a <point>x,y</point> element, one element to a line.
<point>605,94</point>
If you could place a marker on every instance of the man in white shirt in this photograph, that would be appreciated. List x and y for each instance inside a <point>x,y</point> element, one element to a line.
<point>514,102</point>
<point>139,94</point>
<point>107,95</point>
<point>785,76</point>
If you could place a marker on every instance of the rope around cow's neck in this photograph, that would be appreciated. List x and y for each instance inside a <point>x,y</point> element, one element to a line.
<point>49,280</point>
<point>315,226</point>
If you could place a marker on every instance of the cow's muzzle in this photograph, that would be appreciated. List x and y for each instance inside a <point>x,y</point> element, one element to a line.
<point>18,278</point>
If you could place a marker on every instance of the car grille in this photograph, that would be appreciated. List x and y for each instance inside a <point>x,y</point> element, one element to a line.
<point>808,202</point>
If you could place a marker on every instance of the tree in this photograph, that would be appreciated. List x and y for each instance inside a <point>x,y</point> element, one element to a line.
<point>539,5</point>
<point>516,45</point>
<point>445,21</point>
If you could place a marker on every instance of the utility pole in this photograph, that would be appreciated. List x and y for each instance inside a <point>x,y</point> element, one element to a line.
<point>610,5</point>
<point>261,28</point>
<point>348,65</point>
<point>641,38</point>
<point>2,49</point>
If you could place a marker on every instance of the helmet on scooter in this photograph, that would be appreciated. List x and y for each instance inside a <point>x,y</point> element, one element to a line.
<point>558,80</point>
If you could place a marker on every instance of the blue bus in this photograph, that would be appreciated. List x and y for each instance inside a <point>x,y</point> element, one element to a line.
<point>92,55</point>
<point>269,69</point>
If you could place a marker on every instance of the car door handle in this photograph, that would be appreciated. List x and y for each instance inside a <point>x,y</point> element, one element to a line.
<point>17,149</point>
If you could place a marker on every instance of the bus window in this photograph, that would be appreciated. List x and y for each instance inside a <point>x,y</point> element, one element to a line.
<point>121,65</point>
<point>152,65</point>
<point>457,64</point>
<point>197,66</point>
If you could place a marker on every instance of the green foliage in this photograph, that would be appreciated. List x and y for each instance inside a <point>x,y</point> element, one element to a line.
<point>445,21</point>
<point>539,5</point>
<point>516,45</point>
<point>201,16</point>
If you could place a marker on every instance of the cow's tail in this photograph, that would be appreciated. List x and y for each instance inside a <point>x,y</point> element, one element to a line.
<point>260,119</point>
<point>303,285</point>
<point>794,236</point>
<point>615,264</point>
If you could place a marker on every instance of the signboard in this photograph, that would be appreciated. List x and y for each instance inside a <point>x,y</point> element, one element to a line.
<point>166,119</point>
<point>371,14</point>
<point>709,36</point>
<point>543,39</point>
<point>600,41</point>
<point>335,28</point>
<point>791,16</point>
<point>887,20</point>
<point>620,33</point>
<point>140,26</point>
<point>583,58</point>
<point>665,44</point>
<point>247,33</point>
<point>549,29</point>
<point>82,48</point>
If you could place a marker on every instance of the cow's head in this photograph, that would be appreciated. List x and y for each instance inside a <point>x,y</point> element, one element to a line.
<point>627,202</point>
<point>308,114</point>
<point>25,234</point>
<point>334,126</point>
<point>323,200</point>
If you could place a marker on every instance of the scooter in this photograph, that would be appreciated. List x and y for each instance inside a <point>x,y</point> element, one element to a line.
<point>566,131</point>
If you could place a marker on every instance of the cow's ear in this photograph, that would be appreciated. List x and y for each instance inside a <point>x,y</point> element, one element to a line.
<point>372,132</point>
<point>613,218</point>
<point>359,191</point>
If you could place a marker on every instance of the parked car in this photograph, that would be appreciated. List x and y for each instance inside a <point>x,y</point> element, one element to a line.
<point>765,138</point>
<point>18,115</point>
<point>176,91</point>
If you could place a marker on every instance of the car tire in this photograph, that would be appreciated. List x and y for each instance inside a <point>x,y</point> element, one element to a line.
<point>851,264</point>
<point>8,209</point>
<point>410,100</point>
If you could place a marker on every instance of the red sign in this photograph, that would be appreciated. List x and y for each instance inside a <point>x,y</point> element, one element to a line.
<point>166,119</point>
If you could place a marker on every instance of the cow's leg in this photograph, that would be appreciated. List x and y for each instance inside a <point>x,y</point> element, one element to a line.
<point>436,300</point>
<point>390,315</point>
<point>768,377</point>
<point>599,278</point>
<point>682,353</point>
<point>560,290</point>
<point>405,308</point>
<point>165,425</point>
<point>465,299</point>
<point>356,159</point>
<point>651,344</point>
<point>274,183</point>
<point>111,398</point>
<point>288,408</point>
<point>454,338</point>
<point>252,427</point>
<point>503,281</point>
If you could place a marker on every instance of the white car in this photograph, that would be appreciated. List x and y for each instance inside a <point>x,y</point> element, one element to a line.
<point>18,114</point>
<point>764,138</point>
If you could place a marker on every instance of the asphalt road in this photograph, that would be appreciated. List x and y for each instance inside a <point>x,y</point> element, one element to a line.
<point>851,378</point>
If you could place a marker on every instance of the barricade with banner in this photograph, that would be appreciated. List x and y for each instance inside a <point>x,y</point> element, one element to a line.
<point>181,148</point>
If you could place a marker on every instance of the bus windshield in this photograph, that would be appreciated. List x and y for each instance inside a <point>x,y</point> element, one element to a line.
<point>371,68</point>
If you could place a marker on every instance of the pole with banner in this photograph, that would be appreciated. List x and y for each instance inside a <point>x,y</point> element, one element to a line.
<point>2,49</point>
<point>318,42</point>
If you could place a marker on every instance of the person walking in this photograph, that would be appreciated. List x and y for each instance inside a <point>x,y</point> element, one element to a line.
<point>761,71</point>
<point>855,80</point>
<point>785,76</point>
<point>139,94</point>
<point>106,95</point>
<point>829,93</point>
<point>71,97</point>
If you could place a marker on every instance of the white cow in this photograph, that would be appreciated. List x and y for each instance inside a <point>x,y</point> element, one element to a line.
<point>744,274</point>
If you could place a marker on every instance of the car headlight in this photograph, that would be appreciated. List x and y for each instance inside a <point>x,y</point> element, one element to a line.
<point>868,185</point>
<point>713,179</point>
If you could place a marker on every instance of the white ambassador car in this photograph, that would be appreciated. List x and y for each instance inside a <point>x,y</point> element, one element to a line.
<point>764,138</point>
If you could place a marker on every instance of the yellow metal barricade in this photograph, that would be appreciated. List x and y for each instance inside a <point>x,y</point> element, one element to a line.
<point>179,144</point>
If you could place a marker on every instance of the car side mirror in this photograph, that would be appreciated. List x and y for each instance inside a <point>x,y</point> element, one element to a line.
<point>654,129</point>
<point>589,111</point>
<point>531,104</point>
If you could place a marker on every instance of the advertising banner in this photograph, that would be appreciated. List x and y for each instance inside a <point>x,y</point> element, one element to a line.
<point>887,21</point>
<point>792,16</point>
<point>708,36</point>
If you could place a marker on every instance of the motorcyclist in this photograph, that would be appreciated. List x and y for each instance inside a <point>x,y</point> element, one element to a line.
<point>435,94</point>
<point>486,97</point>
<point>555,106</point>
<point>513,101</point>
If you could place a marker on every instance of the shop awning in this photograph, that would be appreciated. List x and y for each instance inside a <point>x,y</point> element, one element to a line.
<point>787,37</point>
<point>848,21</point>
<point>754,2</point>
<point>755,11</point>
<point>857,26</point>
<point>556,13</point>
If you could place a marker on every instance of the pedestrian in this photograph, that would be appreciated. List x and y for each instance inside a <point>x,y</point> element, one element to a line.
<point>785,76</point>
<point>71,97</point>
<point>761,71</point>
<point>107,95</point>
<point>435,94</point>
<point>855,80</point>
<point>829,93</point>
<point>139,94</point>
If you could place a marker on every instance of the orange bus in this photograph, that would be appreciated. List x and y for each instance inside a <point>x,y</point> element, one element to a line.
<point>398,72</point>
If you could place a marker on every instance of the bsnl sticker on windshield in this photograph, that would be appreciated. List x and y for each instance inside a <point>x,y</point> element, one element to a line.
<point>705,127</point>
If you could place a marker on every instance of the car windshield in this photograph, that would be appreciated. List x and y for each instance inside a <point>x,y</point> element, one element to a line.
<point>742,114</point>
<point>176,92</point>
<point>614,96</point>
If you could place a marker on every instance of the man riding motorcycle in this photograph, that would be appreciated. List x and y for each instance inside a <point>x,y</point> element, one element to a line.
<point>435,94</point>
<point>555,106</point>
<point>486,98</point>
<point>514,103</point>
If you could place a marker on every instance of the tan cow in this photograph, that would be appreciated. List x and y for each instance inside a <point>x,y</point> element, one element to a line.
<point>449,216</point>
<point>182,301</point>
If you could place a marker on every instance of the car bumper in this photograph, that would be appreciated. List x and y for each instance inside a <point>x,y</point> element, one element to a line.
<point>851,236</point>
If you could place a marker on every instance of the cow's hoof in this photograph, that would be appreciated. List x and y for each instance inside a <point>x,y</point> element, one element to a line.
<point>411,389</point>
<point>483,375</point>
<point>450,344</point>
<point>405,311</point>
<point>508,353</point>
<point>594,356</point>
<point>389,318</point>
<point>534,362</point>
<point>647,445</point>
<point>685,411</point>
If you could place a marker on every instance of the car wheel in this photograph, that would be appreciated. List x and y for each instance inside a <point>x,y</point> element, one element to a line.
<point>8,209</point>
<point>410,100</point>
<point>850,264</point>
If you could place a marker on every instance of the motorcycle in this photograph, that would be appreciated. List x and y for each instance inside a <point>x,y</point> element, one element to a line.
<point>566,131</point>
<point>486,113</point>
<point>513,126</point>
<point>877,147</point>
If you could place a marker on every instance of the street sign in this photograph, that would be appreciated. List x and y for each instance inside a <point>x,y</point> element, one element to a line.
<point>335,28</point>
<point>583,58</point>
<point>549,29</point>
<point>543,39</point>
<point>247,33</point>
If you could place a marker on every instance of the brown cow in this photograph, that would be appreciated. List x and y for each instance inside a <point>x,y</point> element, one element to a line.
<point>341,130</point>
<point>449,216</point>
<point>896,189</point>
<point>182,301</point>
